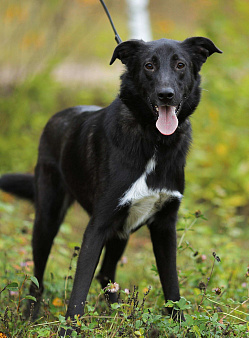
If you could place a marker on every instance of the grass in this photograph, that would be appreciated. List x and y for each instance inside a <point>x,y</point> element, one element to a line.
<point>212,244</point>
<point>213,280</point>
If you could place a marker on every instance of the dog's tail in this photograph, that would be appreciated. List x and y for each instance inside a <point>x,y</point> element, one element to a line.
<point>20,185</point>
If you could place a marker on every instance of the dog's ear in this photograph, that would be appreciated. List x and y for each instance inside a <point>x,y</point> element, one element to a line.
<point>125,51</point>
<point>200,49</point>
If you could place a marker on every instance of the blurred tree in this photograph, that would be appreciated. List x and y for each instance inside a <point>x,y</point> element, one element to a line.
<point>139,19</point>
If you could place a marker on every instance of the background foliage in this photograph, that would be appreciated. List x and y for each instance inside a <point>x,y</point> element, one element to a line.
<point>55,54</point>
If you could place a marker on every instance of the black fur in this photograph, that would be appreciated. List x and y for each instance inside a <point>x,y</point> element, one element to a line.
<point>20,185</point>
<point>94,156</point>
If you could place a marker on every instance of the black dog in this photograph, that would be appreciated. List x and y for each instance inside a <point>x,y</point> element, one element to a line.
<point>124,164</point>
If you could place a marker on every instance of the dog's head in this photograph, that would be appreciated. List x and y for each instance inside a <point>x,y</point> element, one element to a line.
<point>165,72</point>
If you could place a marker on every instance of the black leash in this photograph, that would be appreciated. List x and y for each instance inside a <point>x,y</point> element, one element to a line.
<point>117,37</point>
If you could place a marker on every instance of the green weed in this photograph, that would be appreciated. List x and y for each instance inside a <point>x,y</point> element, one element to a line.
<point>209,309</point>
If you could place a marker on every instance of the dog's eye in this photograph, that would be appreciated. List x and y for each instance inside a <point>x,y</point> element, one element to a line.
<point>149,66</point>
<point>180,65</point>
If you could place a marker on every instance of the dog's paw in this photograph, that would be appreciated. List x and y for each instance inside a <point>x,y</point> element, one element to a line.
<point>65,333</point>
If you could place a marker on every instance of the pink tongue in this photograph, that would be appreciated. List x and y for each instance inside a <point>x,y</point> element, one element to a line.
<point>167,121</point>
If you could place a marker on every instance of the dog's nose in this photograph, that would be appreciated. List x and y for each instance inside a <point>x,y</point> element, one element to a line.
<point>166,94</point>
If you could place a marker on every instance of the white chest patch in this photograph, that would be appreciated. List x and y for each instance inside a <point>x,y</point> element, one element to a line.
<point>144,202</point>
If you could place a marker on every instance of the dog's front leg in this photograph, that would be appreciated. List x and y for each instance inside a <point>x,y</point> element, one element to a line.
<point>91,248</point>
<point>163,236</point>
<point>114,249</point>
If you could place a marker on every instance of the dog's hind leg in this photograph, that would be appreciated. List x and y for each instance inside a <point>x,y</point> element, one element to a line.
<point>51,203</point>
<point>114,249</point>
